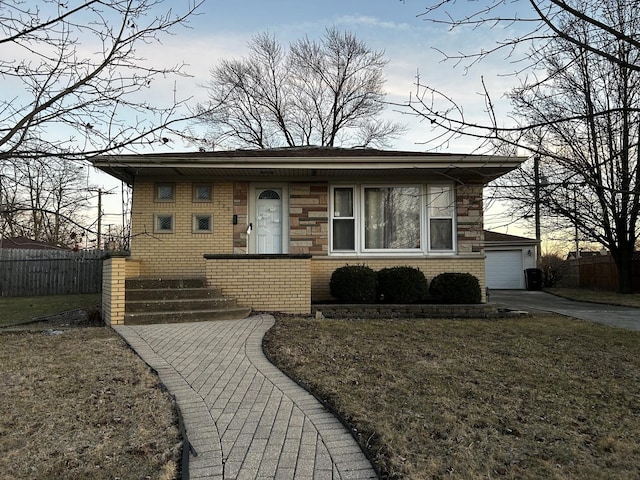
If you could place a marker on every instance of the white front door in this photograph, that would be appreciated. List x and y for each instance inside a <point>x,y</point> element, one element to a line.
<point>269,222</point>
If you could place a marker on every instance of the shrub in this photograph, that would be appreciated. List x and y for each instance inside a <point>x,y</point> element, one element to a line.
<point>551,266</point>
<point>354,284</point>
<point>458,288</point>
<point>402,285</point>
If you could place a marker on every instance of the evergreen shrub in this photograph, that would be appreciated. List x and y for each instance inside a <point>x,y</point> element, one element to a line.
<point>402,285</point>
<point>456,288</point>
<point>354,284</point>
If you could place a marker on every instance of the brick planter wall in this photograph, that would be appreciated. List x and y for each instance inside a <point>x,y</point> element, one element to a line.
<point>269,283</point>
<point>323,267</point>
<point>387,311</point>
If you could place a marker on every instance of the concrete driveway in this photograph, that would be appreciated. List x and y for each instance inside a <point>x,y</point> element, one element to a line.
<point>621,317</point>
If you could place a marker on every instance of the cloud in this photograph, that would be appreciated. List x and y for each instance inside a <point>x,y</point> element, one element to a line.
<point>372,22</point>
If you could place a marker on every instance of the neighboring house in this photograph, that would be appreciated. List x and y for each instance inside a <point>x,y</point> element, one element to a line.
<point>508,256</point>
<point>585,254</point>
<point>25,243</point>
<point>270,226</point>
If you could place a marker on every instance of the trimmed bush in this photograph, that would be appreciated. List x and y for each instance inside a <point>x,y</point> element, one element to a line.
<point>354,284</point>
<point>456,288</point>
<point>402,285</point>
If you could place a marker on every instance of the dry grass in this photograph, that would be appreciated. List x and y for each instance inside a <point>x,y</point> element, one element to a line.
<point>19,309</point>
<point>80,404</point>
<point>598,296</point>
<point>543,397</point>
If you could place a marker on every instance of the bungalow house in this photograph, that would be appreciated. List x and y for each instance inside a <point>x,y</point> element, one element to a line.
<point>268,227</point>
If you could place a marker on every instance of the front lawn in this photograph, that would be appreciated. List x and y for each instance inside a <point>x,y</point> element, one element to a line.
<point>78,404</point>
<point>535,397</point>
<point>21,309</point>
<point>598,296</point>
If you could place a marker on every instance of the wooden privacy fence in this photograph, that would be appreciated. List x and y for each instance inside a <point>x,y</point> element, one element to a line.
<point>49,272</point>
<point>597,272</point>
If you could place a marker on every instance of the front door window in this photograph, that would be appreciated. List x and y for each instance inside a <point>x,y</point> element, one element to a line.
<point>269,221</point>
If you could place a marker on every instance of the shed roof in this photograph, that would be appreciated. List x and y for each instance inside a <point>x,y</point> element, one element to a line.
<point>27,243</point>
<point>504,238</point>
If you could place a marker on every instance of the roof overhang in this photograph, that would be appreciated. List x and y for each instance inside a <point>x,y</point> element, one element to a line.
<point>317,163</point>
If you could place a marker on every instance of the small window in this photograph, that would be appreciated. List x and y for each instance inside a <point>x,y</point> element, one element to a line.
<point>269,195</point>
<point>343,219</point>
<point>163,223</point>
<point>202,224</point>
<point>165,192</point>
<point>440,207</point>
<point>202,193</point>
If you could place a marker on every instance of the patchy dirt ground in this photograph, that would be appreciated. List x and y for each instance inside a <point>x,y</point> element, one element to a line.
<point>78,403</point>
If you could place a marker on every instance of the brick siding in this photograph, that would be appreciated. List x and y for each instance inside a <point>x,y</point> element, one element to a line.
<point>113,290</point>
<point>322,268</point>
<point>180,253</point>
<point>276,283</point>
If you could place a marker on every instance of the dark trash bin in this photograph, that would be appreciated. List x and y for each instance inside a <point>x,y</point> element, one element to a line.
<point>533,278</point>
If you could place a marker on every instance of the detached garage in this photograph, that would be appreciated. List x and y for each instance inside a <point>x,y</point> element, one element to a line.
<point>507,258</point>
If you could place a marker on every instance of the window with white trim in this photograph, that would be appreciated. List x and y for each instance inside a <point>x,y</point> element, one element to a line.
<point>391,217</point>
<point>344,222</point>
<point>440,209</point>
<point>401,219</point>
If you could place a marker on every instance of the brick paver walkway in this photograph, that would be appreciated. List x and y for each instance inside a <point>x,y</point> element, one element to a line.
<point>243,418</point>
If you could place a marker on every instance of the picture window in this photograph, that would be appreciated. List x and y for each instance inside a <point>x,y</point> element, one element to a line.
<point>410,219</point>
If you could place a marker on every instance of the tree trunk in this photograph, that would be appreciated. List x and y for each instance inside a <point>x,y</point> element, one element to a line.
<point>623,259</point>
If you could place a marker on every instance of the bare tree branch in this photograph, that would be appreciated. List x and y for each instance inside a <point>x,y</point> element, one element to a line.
<point>326,92</point>
<point>577,109</point>
<point>79,77</point>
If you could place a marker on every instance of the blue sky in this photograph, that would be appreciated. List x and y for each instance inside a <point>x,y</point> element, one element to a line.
<point>222,30</point>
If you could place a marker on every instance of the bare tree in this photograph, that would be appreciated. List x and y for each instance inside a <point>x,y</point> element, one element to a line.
<point>577,110</point>
<point>43,199</point>
<point>326,92</point>
<point>74,77</point>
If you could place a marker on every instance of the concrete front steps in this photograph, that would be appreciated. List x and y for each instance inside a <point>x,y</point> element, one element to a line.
<point>177,300</point>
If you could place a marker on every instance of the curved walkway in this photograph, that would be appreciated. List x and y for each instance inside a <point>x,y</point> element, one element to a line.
<point>243,418</point>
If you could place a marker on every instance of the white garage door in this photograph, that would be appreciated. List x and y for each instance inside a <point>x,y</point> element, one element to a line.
<point>504,269</point>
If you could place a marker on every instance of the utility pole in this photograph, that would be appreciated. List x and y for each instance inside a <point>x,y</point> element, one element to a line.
<point>536,196</point>
<point>99,219</point>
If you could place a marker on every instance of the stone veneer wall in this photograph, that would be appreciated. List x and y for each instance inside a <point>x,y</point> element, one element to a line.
<point>179,253</point>
<point>323,267</point>
<point>269,283</point>
<point>308,218</point>
<point>469,210</point>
